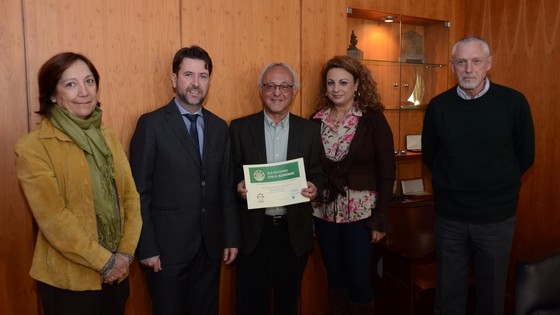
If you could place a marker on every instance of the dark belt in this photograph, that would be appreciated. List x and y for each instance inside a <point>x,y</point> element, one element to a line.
<point>275,219</point>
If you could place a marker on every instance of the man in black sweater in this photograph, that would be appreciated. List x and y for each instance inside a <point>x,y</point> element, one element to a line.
<point>478,140</point>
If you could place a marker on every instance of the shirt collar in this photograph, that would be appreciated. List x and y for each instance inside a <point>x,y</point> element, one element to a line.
<point>325,112</point>
<point>183,111</point>
<point>465,96</point>
<point>284,123</point>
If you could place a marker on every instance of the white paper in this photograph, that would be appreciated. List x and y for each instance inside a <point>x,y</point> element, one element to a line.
<point>275,184</point>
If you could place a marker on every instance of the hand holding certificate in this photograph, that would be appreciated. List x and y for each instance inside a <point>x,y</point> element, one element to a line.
<point>275,184</point>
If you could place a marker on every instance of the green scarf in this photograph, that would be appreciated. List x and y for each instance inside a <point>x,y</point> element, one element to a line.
<point>86,133</point>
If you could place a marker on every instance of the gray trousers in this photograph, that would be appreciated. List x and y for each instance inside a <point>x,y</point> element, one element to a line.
<point>460,245</point>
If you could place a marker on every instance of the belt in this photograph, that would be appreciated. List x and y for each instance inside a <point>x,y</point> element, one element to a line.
<point>276,219</point>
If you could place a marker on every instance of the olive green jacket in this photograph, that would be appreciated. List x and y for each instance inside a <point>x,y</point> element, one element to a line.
<point>55,177</point>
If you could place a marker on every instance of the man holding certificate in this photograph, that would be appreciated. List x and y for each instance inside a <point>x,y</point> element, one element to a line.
<point>276,158</point>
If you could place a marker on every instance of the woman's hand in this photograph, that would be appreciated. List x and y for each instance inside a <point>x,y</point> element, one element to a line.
<point>119,270</point>
<point>376,236</point>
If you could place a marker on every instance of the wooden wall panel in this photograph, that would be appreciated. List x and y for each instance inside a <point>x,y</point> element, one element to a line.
<point>242,37</point>
<point>17,295</point>
<point>323,36</point>
<point>524,37</point>
<point>131,44</point>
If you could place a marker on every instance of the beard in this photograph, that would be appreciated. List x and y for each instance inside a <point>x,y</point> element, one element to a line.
<point>470,83</point>
<point>194,102</point>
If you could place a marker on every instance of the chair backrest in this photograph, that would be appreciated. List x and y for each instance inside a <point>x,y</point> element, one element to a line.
<point>537,286</point>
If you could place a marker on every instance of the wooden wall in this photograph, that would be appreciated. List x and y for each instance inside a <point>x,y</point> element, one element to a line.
<point>17,295</point>
<point>524,37</point>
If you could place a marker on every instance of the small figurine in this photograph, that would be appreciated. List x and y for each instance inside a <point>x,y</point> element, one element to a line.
<point>353,41</point>
<point>353,50</point>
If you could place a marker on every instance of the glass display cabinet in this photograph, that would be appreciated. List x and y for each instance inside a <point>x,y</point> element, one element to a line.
<point>409,59</point>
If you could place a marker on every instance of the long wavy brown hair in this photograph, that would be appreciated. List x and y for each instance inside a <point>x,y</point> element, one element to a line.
<point>366,97</point>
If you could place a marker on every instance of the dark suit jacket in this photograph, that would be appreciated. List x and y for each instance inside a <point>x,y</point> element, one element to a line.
<point>248,147</point>
<point>185,202</point>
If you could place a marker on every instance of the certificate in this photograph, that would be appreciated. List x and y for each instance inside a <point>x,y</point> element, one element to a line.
<point>275,184</point>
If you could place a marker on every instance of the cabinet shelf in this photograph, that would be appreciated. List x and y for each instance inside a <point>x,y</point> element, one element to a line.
<point>414,107</point>
<point>408,107</point>
<point>408,156</point>
<point>404,63</point>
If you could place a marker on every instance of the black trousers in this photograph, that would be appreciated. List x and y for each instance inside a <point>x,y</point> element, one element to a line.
<point>346,250</point>
<point>110,300</point>
<point>271,271</point>
<point>191,288</point>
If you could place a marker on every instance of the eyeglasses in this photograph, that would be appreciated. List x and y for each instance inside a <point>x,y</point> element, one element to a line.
<point>271,87</point>
<point>462,63</point>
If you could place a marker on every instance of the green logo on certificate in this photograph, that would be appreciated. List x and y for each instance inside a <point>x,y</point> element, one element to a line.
<point>259,175</point>
<point>275,173</point>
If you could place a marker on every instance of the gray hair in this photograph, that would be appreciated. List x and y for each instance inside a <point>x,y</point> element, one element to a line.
<point>468,39</point>
<point>283,65</point>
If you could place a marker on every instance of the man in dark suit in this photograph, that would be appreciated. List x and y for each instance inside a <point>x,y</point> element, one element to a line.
<point>181,162</point>
<point>276,241</point>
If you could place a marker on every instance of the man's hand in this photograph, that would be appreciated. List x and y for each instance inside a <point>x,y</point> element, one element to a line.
<point>309,192</point>
<point>241,190</point>
<point>152,262</point>
<point>230,254</point>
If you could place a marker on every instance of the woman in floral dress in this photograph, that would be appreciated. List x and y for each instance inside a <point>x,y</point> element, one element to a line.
<point>358,157</point>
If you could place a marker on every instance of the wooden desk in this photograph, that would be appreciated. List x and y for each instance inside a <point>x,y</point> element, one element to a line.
<point>408,252</point>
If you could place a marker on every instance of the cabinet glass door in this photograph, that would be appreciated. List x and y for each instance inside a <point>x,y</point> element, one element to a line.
<point>408,58</point>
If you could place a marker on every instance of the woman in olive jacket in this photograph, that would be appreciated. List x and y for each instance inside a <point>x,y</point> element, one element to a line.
<point>78,183</point>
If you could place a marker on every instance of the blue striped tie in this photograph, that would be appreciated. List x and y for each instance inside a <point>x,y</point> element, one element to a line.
<point>193,131</point>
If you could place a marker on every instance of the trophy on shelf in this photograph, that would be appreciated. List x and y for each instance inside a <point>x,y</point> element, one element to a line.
<point>352,50</point>
<point>413,53</point>
<point>415,98</point>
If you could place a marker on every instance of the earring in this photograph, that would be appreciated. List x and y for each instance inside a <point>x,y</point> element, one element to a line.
<point>357,94</point>
<point>53,100</point>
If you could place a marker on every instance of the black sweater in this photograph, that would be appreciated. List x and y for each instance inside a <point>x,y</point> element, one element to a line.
<point>477,151</point>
